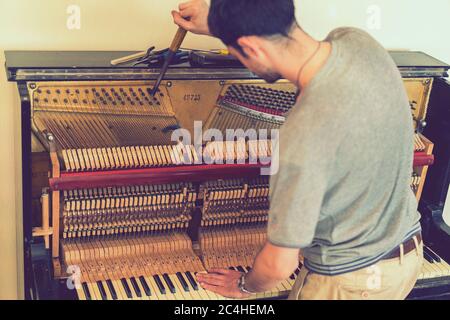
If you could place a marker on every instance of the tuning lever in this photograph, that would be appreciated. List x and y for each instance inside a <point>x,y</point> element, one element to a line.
<point>174,47</point>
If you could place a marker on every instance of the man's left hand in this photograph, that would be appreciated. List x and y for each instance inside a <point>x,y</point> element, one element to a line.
<point>222,281</point>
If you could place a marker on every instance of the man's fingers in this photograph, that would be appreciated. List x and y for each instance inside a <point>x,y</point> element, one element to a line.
<point>212,279</point>
<point>223,291</point>
<point>179,20</point>
<point>213,288</point>
<point>185,5</point>
<point>221,271</point>
<point>188,12</point>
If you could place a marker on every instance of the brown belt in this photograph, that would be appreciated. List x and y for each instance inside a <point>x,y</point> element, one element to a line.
<point>408,246</point>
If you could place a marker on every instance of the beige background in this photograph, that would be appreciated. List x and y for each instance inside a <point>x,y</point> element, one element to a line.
<point>137,24</point>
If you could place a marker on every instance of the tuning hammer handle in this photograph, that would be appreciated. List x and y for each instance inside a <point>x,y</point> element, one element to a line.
<point>178,40</point>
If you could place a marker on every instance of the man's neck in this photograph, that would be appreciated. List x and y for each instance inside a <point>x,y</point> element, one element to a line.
<point>302,52</point>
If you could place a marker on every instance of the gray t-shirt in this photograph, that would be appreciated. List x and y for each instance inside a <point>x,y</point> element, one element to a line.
<point>342,192</point>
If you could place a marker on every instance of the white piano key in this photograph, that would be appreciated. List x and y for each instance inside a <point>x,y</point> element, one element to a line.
<point>441,268</point>
<point>141,288</point>
<point>80,293</point>
<point>106,288</point>
<point>446,266</point>
<point>438,271</point>
<point>95,294</point>
<point>180,293</point>
<point>119,290</point>
<point>201,293</point>
<point>194,293</point>
<point>154,288</point>
<point>426,272</point>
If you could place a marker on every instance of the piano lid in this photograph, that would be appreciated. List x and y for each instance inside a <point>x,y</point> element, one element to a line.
<point>95,65</point>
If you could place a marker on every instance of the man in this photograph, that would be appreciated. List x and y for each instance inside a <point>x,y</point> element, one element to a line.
<point>342,192</point>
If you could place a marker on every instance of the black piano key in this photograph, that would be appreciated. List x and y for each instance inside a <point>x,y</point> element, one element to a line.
<point>136,287</point>
<point>111,289</point>
<point>245,269</point>
<point>240,269</point>
<point>169,283</point>
<point>435,256</point>
<point>159,283</point>
<point>191,280</point>
<point>145,285</point>
<point>297,271</point>
<point>249,268</point>
<point>432,254</point>
<point>231,268</point>
<point>86,291</point>
<point>126,288</point>
<point>182,281</point>
<point>427,257</point>
<point>102,290</point>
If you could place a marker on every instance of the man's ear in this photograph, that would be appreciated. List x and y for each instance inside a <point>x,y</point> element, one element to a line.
<point>250,45</point>
<point>256,48</point>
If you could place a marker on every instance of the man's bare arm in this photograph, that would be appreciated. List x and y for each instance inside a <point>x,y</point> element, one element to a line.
<point>272,265</point>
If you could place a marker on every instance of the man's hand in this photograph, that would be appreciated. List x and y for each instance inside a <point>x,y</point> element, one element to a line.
<point>222,281</point>
<point>193,16</point>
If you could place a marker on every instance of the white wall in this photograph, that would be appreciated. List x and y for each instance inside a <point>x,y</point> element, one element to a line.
<point>404,24</point>
<point>137,24</point>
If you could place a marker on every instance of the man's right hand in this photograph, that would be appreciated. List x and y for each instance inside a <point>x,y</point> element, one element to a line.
<point>193,16</point>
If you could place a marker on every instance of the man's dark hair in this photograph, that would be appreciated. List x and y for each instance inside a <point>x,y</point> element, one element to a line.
<point>229,20</point>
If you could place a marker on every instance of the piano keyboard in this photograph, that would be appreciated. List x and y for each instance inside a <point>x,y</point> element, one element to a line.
<point>177,286</point>
<point>183,285</point>
<point>434,267</point>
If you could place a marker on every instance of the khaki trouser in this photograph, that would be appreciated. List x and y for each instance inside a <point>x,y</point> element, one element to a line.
<point>391,279</point>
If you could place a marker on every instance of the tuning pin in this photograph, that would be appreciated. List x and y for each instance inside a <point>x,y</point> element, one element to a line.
<point>421,124</point>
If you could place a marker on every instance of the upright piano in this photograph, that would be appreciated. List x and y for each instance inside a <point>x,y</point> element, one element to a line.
<point>128,195</point>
